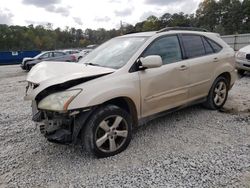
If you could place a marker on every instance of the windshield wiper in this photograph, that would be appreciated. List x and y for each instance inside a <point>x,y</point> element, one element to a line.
<point>93,64</point>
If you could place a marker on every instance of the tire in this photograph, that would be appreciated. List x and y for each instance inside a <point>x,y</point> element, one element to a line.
<point>28,67</point>
<point>107,132</point>
<point>218,94</point>
<point>241,72</point>
<point>79,59</point>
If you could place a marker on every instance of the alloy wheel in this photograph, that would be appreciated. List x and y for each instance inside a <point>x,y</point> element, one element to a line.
<point>111,134</point>
<point>220,93</point>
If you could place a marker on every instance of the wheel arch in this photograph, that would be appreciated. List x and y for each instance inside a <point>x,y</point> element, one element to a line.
<point>123,102</point>
<point>227,76</point>
<point>127,104</point>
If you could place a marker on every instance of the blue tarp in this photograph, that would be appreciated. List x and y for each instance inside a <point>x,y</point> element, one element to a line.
<point>16,57</point>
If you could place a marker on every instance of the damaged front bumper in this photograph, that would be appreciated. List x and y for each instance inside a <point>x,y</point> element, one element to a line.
<point>60,127</point>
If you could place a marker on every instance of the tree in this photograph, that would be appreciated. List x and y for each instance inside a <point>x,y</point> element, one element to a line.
<point>151,24</point>
<point>222,16</point>
<point>230,16</point>
<point>246,16</point>
<point>208,15</point>
<point>180,20</point>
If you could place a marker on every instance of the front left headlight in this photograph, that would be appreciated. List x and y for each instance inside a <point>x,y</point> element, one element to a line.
<point>241,55</point>
<point>58,101</point>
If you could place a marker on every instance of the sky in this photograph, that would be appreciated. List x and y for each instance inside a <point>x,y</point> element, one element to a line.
<point>88,13</point>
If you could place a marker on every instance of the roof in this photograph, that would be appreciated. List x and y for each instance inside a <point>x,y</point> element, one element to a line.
<point>141,34</point>
<point>151,33</point>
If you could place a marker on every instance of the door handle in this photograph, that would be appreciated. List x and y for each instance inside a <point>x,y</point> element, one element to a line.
<point>183,67</point>
<point>216,59</point>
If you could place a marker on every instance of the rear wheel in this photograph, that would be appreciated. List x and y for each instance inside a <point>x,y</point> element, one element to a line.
<point>218,94</point>
<point>108,132</point>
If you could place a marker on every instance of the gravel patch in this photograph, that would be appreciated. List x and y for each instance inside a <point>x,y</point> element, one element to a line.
<point>193,147</point>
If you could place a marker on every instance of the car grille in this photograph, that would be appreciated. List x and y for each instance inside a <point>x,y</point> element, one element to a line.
<point>246,65</point>
<point>248,56</point>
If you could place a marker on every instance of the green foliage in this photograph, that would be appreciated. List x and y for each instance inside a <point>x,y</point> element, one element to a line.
<point>222,16</point>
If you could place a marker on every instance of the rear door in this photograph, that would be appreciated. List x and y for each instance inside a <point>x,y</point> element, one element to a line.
<point>167,86</point>
<point>202,59</point>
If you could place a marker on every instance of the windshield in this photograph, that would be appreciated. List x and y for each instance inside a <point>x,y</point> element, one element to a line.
<point>39,55</point>
<point>115,53</point>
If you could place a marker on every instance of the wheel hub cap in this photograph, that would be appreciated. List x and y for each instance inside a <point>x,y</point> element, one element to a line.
<point>111,133</point>
<point>220,93</point>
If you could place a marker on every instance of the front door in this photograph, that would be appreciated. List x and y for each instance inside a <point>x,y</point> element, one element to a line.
<point>167,86</point>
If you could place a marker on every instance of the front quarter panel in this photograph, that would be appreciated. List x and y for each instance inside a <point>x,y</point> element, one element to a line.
<point>101,90</point>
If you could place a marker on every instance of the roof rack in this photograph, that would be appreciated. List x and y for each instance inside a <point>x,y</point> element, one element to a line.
<point>182,28</point>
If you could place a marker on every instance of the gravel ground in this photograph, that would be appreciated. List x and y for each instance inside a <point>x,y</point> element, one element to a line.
<point>194,147</point>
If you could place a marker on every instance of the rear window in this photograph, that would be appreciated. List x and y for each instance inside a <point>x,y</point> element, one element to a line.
<point>193,46</point>
<point>215,46</point>
<point>208,47</point>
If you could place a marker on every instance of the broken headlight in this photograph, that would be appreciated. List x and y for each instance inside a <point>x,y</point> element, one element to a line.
<point>58,101</point>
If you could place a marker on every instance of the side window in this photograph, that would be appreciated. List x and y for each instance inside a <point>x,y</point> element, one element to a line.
<point>215,46</point>
<point>58,54</point>
<point>208,48</point>
<point>193,46</point>
<point>167,47</point>
<point>44,56</point>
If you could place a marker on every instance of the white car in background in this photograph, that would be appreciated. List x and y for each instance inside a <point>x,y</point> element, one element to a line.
<point>243,60</point>
<point>82,53</point>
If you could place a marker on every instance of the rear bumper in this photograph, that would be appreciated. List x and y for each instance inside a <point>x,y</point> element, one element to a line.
<point>243,65</point>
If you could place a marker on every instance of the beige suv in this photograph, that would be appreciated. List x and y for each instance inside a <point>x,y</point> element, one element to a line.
<point>127,81</point>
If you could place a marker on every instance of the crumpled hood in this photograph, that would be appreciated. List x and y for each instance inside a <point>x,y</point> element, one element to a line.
<point>63,71</point>
<point>46,74</point>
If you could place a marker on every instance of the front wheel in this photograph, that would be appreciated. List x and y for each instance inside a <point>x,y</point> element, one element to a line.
<point>29,67</point>
<point>218,94</point>
<point>108,131</point>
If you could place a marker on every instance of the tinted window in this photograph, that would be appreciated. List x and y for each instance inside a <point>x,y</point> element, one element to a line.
<point>193,46</point>
<point>208,48</point>
<point>46,55</point>
<point>168,48</point>
<point>215,46</point>
<point>71,52</point>
<point>57,54</point>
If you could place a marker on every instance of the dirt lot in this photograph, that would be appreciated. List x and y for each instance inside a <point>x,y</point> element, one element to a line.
<point>194,147</point>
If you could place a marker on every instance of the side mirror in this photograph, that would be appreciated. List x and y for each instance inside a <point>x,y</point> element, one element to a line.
<point>152,61</point>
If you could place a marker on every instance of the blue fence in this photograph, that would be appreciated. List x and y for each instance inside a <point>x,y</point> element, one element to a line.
<point>8,58</point>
